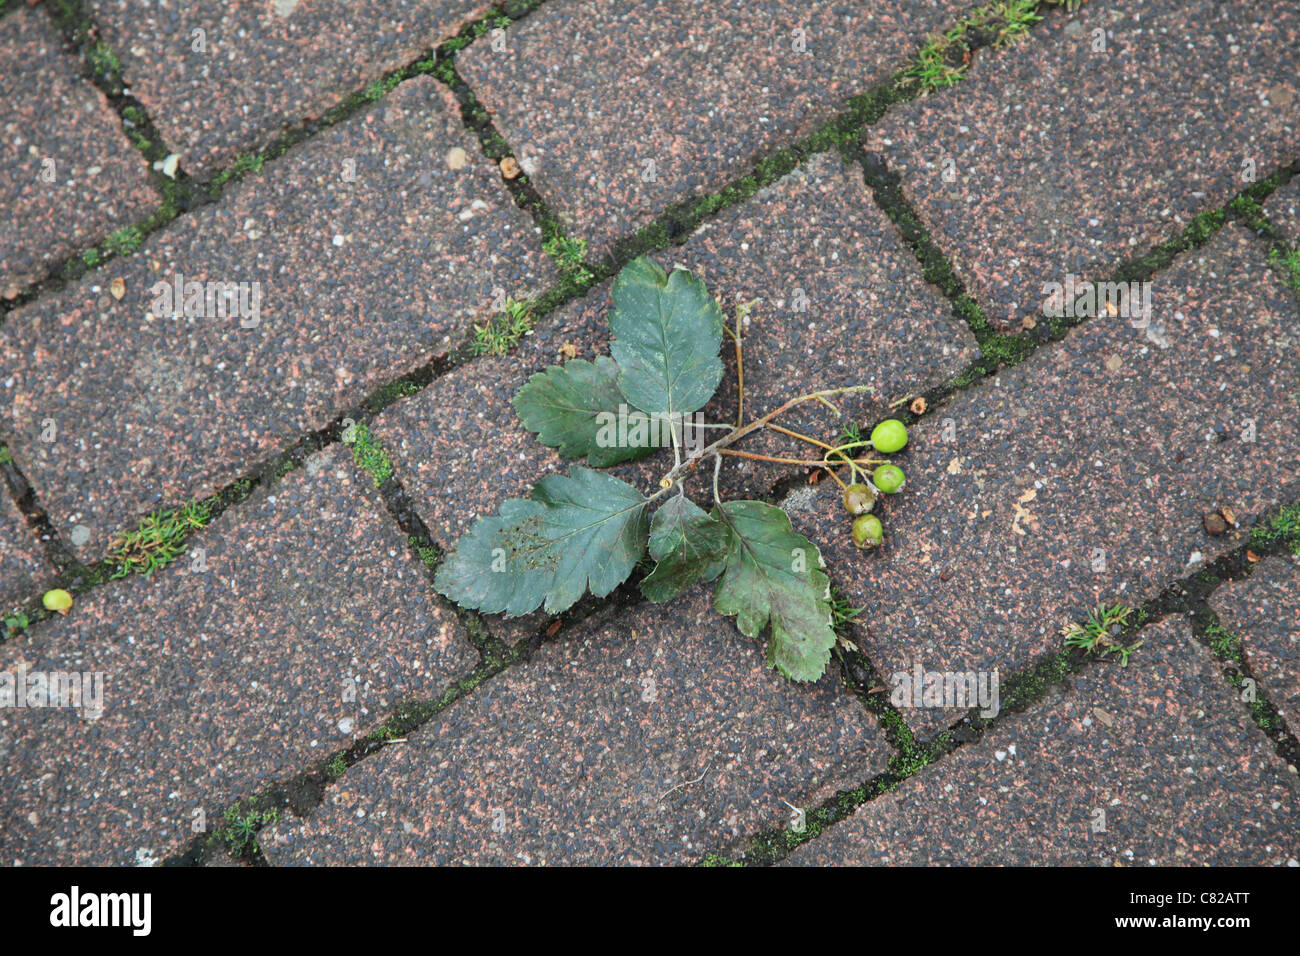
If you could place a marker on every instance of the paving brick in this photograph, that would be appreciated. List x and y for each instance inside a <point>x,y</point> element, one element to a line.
<point>1082,474</point>
<point>1161,748</point>
<point>814,236</point>
<point>261,66</point>
<point>221,682</point>
<point>23,569</point>
<point>1283,210</point>
<point>1069,161</point>
<point>589,93</point>
<point>360,281</point>
<point>1264,612</point>
<point>68,176</point>
<point>653,738</point>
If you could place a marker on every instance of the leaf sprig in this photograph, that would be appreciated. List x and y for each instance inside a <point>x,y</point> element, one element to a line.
<point>588,530</point>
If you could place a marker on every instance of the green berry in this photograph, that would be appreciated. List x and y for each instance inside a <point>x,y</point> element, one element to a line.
<point>867,531</point>
<point>888,478</point>
<point>859,499</point>
<point>889,436</point>
<point>57,600</point>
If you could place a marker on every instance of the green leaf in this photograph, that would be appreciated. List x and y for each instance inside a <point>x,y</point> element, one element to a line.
<point>774,576</point>
<point>568,408</point>
<point>583,531</point>
<point>688,545</point>
<point>667,331</point>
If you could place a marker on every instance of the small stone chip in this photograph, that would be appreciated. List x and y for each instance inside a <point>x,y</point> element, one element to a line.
<point>457,158</point>
<point>1214,523</point>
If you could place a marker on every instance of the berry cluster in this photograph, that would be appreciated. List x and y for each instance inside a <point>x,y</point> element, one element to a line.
<point>860,497</point>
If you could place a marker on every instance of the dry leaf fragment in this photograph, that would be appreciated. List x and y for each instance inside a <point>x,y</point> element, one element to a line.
<point>510,167</point>
<point>918,405</point>
<point>118,288</point>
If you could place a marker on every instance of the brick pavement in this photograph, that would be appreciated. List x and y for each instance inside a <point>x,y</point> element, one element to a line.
<point>290,689</point>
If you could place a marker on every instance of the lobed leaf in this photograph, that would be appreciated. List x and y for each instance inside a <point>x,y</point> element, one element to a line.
<point>564,406</point>
<point>773,576</point>
<point>584,531</point>
<point>667,330</point>
<point>689,546</point>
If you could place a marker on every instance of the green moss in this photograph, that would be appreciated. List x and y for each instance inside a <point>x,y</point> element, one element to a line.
<point>943,61</point>
<point>428,552</point>
<point>244,163</point>
<point>369,455</point>
<point>1288,261</point>
<point>569,254</point>
<point>125,241</point>
<point>1223,642</point>
<point>104,61</point>
<point>1283,528</point>
<point>159,540</point>
<point>504,330</point>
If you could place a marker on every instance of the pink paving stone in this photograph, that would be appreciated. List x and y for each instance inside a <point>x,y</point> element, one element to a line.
<point>372,256</point>
<point>1070,161</point>
<point>24,571</point>
<point>261,66</point>
<point>68,176</point>
<point>1155,764</point>
<point>589,93</point>
<point>649,739</point>
<point>1080,475</point>
<point>219,683</point>
<point>1264,612</point>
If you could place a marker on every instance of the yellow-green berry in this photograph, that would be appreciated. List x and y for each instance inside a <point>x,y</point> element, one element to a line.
<point>867,531</point>
<point>57,600</point>
<point>889,436</point>
<point>888,478</point>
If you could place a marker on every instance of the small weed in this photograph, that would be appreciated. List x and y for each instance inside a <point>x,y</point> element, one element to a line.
<point>943,61</point>
<point>1289,263</point>
<point>16,622</point>
<point>6,457</point>
<point>504,330</point>
<point>429,554</point>
<point>244,163</point>
<point>239,830</point>
<point>158,541</point>
<point>337,766</point>
<point>369,455</point>
<point>1223,642</point>
<point>1284,527</point>
<point>569,254</point>
<point>842,611</point>
<point>125,241</point>
<point>104,61</point>
<point>1097,634</point>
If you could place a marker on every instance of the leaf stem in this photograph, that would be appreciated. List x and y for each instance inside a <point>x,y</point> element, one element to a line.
<point>737,434</point>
